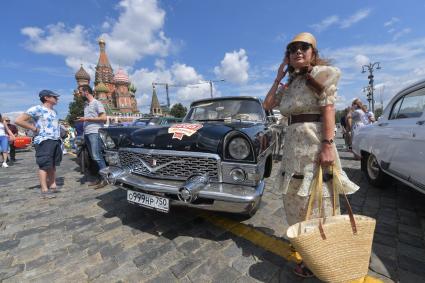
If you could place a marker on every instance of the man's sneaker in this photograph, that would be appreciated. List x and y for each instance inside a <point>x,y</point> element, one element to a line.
<point>4,165</point>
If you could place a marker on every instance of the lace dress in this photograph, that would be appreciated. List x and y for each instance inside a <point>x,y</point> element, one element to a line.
<point>303,143</point>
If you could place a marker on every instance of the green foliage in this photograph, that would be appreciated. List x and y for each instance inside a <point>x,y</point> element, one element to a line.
<point>338,115</point>
<point>378,112</point>
<point>76,109</point>
<point>178,110</point>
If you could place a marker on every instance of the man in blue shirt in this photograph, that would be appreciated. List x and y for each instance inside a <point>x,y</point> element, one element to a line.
<point>48,151</point>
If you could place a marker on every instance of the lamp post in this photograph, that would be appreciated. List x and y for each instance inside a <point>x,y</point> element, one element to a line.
<point>366,89</point>
<point>371,67</point>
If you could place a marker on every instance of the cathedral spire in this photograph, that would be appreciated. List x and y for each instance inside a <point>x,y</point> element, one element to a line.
<point>104,70</point>
<point>155,106</point>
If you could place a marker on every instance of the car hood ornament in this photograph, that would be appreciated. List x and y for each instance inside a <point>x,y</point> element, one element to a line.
<point>154,168</point>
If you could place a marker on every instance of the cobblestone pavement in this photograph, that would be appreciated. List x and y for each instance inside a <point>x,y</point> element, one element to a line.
<point>95,235</point>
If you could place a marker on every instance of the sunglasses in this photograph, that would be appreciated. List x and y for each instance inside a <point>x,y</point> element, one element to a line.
<point>294,47</point>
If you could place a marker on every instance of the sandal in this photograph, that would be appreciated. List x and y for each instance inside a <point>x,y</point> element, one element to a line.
<point>302,271</point>
<point>47,195</point>
<point>54,190</point>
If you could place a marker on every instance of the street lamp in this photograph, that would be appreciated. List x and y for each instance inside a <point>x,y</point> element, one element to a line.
<point>366,89</point>
<point>371,67</point>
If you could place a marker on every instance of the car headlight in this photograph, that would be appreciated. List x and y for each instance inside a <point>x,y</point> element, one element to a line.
<point>239,148</point>
<point>107,140</point>
<point>238,175</point>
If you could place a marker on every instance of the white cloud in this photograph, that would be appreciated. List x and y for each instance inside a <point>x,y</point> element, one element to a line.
<point>184,74</point>
<point>357,17</point>
<point>391,22</point>
<point>326,23</point>
<point>59,40</point>
<point>336,20</point>
<point>32,32</point>
<point>137,31</point>
<point>234,67</point>
<point>401,33</point>
<point>361,60</point>
<point>177,76</point>
<point>401,66</point>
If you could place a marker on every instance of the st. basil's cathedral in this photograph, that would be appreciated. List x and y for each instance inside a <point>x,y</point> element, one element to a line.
<point>114,90</point>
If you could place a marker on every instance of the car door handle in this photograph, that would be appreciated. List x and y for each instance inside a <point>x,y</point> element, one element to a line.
<point>420,122</point>
<point>383,124</point>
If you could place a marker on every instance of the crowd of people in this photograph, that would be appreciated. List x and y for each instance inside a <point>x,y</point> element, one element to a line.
<point>355,116</point>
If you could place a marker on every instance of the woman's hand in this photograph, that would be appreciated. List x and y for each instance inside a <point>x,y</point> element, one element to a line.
<point>326,157</point>
<point>282,70</point>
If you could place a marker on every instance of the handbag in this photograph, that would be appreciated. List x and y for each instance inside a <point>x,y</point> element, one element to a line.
<point>335,248</point>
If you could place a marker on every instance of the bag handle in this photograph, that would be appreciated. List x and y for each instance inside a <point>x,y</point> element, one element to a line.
<point>316,192</point>
<point>336,178</point>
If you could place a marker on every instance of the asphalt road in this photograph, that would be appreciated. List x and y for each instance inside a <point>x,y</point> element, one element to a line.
<point>95,235</point>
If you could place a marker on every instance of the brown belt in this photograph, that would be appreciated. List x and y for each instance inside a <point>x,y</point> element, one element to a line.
<point>303,118</point>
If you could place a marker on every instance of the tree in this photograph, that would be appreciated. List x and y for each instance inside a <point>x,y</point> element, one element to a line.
<point>378,112</point>
<point>76,109</point>
<point>338,115</point>
<point>178,110</point>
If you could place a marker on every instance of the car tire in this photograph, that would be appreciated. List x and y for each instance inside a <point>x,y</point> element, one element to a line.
<point>374,174</point>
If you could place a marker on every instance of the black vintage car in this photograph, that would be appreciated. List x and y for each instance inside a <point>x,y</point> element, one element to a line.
<point>216,159</point>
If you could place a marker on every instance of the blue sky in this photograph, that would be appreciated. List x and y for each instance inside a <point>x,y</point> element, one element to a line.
<point>189,41</point>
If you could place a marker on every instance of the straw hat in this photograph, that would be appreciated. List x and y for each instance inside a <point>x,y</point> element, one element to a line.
<point>305,37</point>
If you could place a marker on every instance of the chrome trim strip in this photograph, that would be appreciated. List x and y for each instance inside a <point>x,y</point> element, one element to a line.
<point>170,152</point>
<point>266,151</point>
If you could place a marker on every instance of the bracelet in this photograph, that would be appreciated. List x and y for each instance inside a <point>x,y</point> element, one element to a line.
<point>331,141</point>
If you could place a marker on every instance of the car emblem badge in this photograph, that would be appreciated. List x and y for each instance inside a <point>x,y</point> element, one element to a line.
<point>155,168</point>
<point>180,130</point>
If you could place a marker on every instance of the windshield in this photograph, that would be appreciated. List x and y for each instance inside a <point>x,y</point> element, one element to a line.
<point>221,110</point>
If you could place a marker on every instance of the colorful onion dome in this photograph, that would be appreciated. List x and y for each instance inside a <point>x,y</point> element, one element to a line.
<point>81,74</point>
<point>101,87</point>
<point>121,77</point>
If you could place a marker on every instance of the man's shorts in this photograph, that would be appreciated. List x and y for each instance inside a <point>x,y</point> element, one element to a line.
<point>48,154</point>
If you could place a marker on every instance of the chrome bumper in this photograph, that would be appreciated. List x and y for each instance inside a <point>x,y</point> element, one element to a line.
<point>222,196</point>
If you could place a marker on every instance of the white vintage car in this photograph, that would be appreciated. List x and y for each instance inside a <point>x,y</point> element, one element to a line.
<point>395,144</point>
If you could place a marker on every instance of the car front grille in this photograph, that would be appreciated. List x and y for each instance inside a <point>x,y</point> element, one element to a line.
<point>166,165</point>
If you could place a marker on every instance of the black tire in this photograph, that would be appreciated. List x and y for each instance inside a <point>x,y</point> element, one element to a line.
<point>374,174</point>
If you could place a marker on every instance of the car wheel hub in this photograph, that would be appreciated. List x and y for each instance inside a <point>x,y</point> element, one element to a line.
<point>372,167</point>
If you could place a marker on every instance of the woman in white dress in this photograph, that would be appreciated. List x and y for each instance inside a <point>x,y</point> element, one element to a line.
<point>308,101</point>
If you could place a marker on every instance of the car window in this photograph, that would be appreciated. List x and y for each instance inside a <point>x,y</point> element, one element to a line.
<point>410,106</point>
<point>244,110</point>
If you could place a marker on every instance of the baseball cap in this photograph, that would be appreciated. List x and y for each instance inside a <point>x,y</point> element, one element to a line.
<point>46,92</point>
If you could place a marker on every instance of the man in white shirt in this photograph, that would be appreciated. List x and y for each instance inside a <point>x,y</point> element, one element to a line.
<point>94,119</point>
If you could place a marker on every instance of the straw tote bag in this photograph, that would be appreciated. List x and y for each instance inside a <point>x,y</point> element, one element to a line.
<point>335,248</point>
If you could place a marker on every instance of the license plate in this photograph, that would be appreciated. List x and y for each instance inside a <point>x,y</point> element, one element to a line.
<point>150,201</point>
